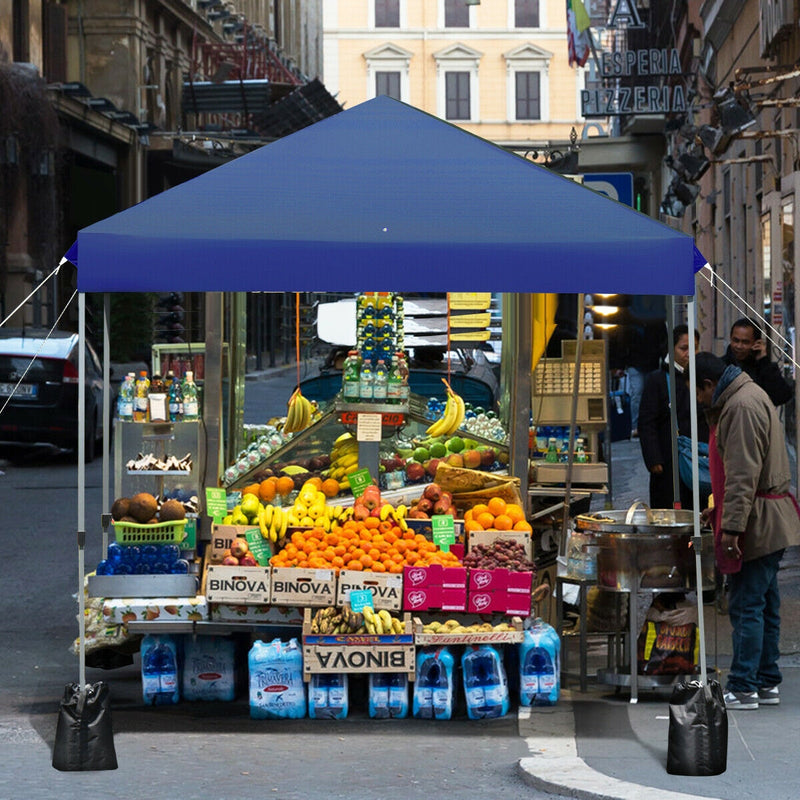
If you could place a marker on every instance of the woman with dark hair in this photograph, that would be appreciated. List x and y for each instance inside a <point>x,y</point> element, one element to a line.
<point>655,427</point>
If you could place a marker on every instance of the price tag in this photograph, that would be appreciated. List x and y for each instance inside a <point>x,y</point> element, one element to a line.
<point>259,547</point>
<point>360,599</point>
<point>359,480</point>
<point>216,503</point>
<point>369,428</point>
<point>444,531</point>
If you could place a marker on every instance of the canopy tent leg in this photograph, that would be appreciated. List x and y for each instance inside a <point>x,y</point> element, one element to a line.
<point>673,403</point>
<point>81,485</point>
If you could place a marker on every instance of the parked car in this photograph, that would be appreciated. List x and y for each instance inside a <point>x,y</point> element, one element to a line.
<point>43,408</point>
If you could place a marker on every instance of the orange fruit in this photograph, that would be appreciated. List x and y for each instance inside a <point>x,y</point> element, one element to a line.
<point>285,485</point>
<point>251,488</point>
<point>371,523</point>
<point>497,506</point>
<point>267,490</point>
<point>523,525</point>
<point>330,487</point>
<point>356,565</point>
<point>485,520</point>
<point>515,512</point>
<point>478,509</point>
<point>314,481</point>
<point>472,525</point>
<point>503,522</point>
<point>468,515</point>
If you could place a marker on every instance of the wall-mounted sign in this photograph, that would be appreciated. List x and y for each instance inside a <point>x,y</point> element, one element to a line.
<point>633,100</point>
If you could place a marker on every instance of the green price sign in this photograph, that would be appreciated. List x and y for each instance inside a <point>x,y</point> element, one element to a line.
<point>216,503</point>
<point>359,480</point>
<point>259,547</point>
<point>444,531</point>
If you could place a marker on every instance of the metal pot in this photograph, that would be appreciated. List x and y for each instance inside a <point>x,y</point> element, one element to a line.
<point>647,549</point>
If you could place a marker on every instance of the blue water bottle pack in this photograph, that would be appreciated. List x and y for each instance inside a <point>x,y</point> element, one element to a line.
<point>485,683</point>
<point>159,653</point>
<point>539,665</point>
<point>434,685</point>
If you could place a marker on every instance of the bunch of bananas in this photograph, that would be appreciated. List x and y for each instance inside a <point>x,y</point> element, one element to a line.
<point>273,521</point>
<point>299,411</point>
<point>452,416</point>
<point>344,459</point>
<point>382,622</point>
<point>332,620</point>
<point>454,626</point>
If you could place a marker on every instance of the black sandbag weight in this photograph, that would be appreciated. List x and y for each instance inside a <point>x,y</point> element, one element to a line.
<point>698,729</point>
<point>84,737</point>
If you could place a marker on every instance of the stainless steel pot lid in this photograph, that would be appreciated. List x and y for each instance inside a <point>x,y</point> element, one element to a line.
<point>638,519</point>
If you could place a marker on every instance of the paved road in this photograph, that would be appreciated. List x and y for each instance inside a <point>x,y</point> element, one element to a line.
<point>192,751</point>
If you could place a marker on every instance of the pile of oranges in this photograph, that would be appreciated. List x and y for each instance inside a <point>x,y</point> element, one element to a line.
<point>366,545</point>
<point>496,515</point>
<point>284,486</point>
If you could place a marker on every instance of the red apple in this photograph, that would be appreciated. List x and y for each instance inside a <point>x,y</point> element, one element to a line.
<point>441,506</point>
<point>415,513</point>
<point>432,492</point>
<point>425,504</point>
<point>248,561</point>
<point>239,547</point>
<point>360,512</point>
<point>230,561</point>
<point>415,472</point>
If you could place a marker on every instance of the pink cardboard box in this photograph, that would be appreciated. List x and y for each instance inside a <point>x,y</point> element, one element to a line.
<point>488,580</point>
<point>454,599</point>
<point>422,598</point>
<point>518,604</point>
<point>419,577</point>
<point>482,602</point>
<point>457,550</point>
<point>519,582</point>
<point>454,577</point>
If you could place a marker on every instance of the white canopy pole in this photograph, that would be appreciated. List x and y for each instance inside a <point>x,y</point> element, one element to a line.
<point>81,486</point>
<point>697,540</point>
<point>107,412</point>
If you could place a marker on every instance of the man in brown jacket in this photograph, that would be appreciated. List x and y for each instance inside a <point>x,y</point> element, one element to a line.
<point>759,519</point>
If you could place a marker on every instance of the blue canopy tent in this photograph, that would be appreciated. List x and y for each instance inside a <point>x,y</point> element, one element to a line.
<point>382,195</point>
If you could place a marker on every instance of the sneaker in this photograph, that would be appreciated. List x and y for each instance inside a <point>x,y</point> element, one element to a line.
<point>741,701</point>
<point>769,696</point>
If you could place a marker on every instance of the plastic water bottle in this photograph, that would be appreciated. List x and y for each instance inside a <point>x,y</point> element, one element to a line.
<point>398,695</point>
<point>191,405</point>
<point>539,665</point>
<point>379,695</point>
<point>175,398</point>
<point>551,457</point>
<point>433,688</point>
<point>159,670</point>
<point>350,377</point>
<point>380,383</point>
<point>142,390</point>
<point>125,399</point>
<point>328,696</point>
<point>580,453</point>
<point>485,684</point>
<point>366,383</point>
<point>277,690</point>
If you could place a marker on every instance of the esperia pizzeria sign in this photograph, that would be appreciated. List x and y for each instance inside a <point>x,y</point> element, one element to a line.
<point>616,99</point>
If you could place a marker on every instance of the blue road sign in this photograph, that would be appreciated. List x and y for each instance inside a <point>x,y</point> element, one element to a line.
<point>616,185</point>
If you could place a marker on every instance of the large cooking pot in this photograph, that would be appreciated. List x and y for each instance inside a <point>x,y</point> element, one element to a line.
<point>644,548</point>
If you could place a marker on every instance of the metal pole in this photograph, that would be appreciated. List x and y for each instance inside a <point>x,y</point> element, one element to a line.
<point>673,405</point>
<point>212,389</point>
<point>107,413</point>
<point>697,541</point>
<point>81,486</point>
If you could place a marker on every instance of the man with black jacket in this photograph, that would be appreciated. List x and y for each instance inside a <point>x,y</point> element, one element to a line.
<point>750,351</point>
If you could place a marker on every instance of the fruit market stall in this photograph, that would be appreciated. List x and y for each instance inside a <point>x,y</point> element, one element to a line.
<point>355,226</point>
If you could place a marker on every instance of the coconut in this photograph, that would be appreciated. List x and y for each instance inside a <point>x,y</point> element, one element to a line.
<point>120,508</point>
<point>143,507</point>
<point>171,510</point>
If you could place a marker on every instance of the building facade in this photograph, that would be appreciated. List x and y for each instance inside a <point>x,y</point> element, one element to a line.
<point>498,69</point>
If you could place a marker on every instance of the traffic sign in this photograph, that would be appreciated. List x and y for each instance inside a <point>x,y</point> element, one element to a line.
<point>616,185</point>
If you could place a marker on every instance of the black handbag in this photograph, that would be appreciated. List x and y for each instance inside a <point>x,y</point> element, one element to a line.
<point>698,729</point>
<point>84,738</point>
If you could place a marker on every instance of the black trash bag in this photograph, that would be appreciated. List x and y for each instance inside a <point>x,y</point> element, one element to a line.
<point>698,729</point>
<point>84,738</point>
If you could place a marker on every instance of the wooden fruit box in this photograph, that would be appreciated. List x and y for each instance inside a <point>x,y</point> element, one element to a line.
<point>354,653</point>
<point>237,585</point>
<point>294,586</point>
<point>386,588</point>
<point>477,637</point>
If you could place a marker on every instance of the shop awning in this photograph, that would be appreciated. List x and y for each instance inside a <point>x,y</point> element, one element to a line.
<point>383,195</point>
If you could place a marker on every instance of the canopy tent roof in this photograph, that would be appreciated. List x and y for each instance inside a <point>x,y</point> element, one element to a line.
<point>383,195</point>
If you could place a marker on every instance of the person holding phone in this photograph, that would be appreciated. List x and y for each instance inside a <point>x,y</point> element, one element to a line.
<point>749,350</point>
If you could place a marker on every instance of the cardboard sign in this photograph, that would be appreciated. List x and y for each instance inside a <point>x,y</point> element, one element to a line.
<point>359,480</point>
<point>216,503</point>
<point>360,599</point>
<point>259,547</point>
<point>444,531</point>
<point>369,428</point>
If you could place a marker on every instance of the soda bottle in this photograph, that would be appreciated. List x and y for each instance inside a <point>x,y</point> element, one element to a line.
<point>191,406</point>
<point>350,378</point>
<point>402,371</point>
<point>159,670</point>
<point>142,390</point>
<point>175,398</point>
<point>380,382</point>
<point>394,386</point>
<point>580,453</point>
<point>366,382</point>
<point>125,399</point>
<point>551,457</point>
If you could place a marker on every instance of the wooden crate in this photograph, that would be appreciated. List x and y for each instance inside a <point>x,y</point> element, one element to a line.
<point>293,586</point>
<point>386,588</point>
<point>237,585</point>
<point>478,637</point>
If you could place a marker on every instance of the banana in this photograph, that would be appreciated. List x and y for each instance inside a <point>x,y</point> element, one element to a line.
<point>291,413</point>
<point>386,511</point>
<point>386,620</point>
<point>378,623</point>
<point>262,523</point>
<point>445,422</point>
<point>369,614</point>
<point>294,469</point>
<point>398,626</point>
<point>459,416</point>
<point>400,511</point>
<point>348,460</point>
<point>351,469</point>
<point>370,626</point>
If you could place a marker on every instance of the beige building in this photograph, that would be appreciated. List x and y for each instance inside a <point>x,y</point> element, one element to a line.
<point>498,69</point>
